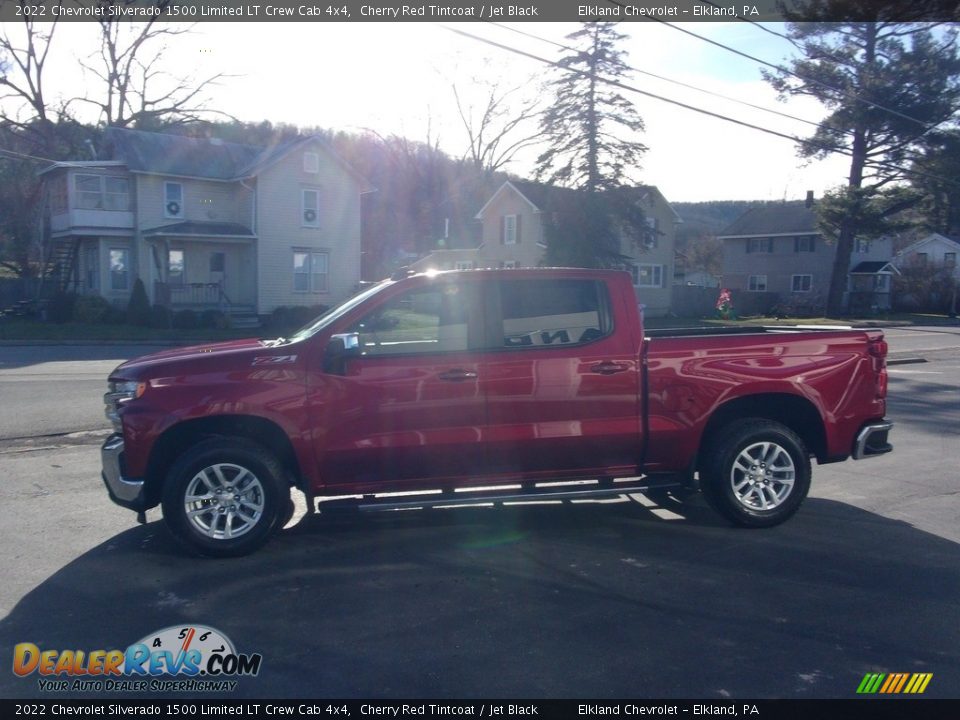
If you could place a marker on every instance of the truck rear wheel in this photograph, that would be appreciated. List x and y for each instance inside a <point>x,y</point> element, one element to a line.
<point>755,472</point>
<point>224,497</point>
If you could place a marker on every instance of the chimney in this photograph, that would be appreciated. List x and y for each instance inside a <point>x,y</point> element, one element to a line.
<point>809,201</point>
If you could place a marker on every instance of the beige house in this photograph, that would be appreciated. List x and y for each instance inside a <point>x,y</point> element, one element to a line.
<point>514,236</point>
<point>208,224</point>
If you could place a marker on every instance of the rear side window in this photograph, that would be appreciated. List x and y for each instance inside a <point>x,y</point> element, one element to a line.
<point>553,312</point>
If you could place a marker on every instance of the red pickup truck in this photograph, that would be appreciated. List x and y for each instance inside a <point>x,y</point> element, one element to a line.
<point>516,383</point>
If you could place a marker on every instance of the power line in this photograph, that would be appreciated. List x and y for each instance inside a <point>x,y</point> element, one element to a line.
<point>630,88</point>
<point>786,71</point>
<point>670,80</point>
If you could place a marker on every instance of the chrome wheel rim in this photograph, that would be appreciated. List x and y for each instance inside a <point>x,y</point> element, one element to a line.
<point>224,501</point>
<point>762,476</point>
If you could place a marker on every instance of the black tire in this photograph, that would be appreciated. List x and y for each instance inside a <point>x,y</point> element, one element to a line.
<point>239,493</point>
<point>765,492</point>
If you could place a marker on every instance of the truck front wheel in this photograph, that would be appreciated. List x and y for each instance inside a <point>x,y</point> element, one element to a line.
<point>755,472</point>
<point>224,497</point>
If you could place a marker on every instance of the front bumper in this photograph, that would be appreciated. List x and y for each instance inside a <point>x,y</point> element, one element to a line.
<point>124,491</point>
<point>872,440</point>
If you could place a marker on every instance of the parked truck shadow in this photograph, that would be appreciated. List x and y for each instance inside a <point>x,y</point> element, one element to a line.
<point>547,601</point>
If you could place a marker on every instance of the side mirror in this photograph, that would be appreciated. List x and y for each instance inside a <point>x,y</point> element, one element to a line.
<point>341,348</point>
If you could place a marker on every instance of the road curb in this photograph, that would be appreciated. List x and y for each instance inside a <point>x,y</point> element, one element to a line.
<point>907,361</point>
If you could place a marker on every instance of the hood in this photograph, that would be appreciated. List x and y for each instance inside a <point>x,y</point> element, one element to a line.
<point>148,365</point>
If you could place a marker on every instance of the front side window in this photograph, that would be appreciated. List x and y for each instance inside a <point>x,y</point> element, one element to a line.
<point>424,320</point>
<point>550,313</point>
<point>310,271</point>
<point>173,199</point>
<point>119,269</point>
<point>647,276</point>
<point>801,283</point>
<point>757,283</point>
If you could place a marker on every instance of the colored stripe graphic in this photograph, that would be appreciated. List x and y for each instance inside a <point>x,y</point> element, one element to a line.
<point>894,683</point>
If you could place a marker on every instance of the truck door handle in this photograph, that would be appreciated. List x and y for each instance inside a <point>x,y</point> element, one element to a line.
<point>457,375</point>
<point>608,368</point>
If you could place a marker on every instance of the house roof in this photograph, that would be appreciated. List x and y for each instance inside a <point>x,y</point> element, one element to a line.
<point>872,267</point>
<point>165,154</point>
<point>789,218</point>
<point>212,158</point>
<point>932,237</point>
<point>543,197</point>
<point>194,227</point>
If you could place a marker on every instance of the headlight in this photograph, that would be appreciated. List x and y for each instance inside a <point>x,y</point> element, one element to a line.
<point>119,393</point>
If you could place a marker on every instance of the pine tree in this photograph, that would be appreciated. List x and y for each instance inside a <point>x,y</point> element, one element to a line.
<point>887,79</point>
<point>591,130</point>
<point>589,124</point>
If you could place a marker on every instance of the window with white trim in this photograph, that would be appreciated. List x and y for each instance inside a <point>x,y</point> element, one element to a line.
<point>311,163</point>
<point>119,269</point>
<point>173,200</point>
<point>800,283</point>
<point>101,192</point>
<point>175,267</point>
<point>757,283</point>
<point>652,239</point>
<point>950,259</point>
<point>310,207</point>
<point>804,243</point>
<point>648,276</point>
<point>310,271</point>
<point>881,282</point>
<point>510,234</point>
<point>863,246</point>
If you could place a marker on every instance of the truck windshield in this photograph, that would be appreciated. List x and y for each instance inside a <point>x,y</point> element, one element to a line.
<point>338,311</point>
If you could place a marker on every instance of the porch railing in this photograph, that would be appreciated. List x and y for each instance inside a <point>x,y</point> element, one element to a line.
<point>191,295</point>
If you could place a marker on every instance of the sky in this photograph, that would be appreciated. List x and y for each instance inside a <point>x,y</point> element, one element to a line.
<point>397,78</point>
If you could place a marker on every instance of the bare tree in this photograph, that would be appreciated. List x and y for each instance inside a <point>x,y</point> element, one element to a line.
<point>23,103</point>
<point>497,131</point>
<point>136,90</point>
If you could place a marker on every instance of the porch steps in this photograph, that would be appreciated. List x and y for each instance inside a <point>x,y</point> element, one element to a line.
<point>243,316</point>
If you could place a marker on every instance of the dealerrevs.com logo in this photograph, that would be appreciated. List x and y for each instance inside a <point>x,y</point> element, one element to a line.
<point>180,658</point>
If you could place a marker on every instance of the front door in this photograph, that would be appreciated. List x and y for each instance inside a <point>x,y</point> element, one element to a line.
<point>410,407</point>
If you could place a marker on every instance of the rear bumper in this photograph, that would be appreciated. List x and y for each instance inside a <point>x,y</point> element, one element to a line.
<point>872,440</point>
<point>124,491</point>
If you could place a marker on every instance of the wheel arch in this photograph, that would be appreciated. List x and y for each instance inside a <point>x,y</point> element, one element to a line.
<point>793,411</point>
<point>179,437</point>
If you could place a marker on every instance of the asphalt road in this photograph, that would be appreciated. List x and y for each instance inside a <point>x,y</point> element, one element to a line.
<point>625,599</point>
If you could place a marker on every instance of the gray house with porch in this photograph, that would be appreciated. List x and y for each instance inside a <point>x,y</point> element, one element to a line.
<point>777,251</point>
<point>206,223</point>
